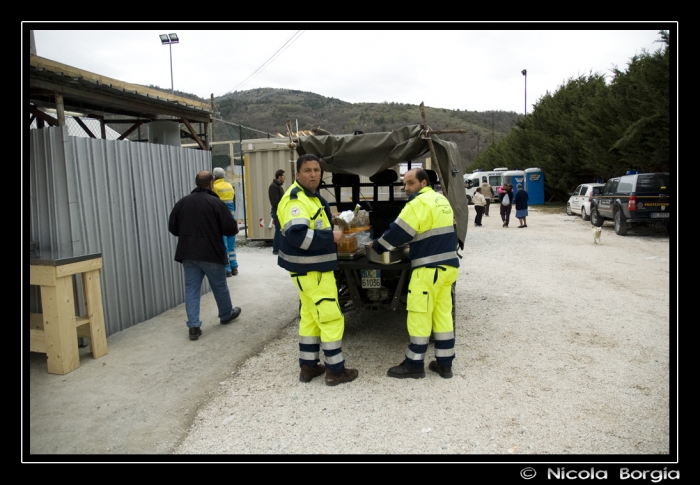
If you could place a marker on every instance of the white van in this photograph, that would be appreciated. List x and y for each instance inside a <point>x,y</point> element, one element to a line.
<point>475,179</point>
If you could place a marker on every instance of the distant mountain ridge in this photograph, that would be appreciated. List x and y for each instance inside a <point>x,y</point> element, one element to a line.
<point>268,109</point>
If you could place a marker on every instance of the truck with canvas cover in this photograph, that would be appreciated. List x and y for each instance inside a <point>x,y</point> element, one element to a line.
<point>363,281</point>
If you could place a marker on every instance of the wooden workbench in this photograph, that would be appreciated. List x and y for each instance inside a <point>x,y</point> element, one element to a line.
<point>55,331</point>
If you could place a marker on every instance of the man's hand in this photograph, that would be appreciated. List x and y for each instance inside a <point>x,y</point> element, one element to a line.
<point>337,236</point>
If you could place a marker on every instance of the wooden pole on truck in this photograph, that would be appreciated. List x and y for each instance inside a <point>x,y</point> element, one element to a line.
<point>433,157</point>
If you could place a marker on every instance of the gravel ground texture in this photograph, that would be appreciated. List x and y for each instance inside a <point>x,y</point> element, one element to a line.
<point>563,347</point>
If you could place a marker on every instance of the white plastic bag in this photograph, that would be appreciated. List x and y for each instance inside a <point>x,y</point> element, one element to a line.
<point>505,200</point>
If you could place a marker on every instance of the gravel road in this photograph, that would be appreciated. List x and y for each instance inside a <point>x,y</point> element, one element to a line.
<point>562,347</point>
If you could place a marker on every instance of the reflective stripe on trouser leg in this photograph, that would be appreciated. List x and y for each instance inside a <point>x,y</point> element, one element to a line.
<point>320,315</point>
<point>429,306</point>
<point>309,350</point>
<point>443,326</point>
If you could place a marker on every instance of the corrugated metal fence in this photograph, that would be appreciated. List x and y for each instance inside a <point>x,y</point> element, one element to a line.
<point>113,197</point>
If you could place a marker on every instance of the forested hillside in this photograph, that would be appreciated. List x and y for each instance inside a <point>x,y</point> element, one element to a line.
<point>268,109</point>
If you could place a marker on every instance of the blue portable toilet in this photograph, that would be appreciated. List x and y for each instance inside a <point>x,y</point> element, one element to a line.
<point>534,184</point>
<point>514,177</point>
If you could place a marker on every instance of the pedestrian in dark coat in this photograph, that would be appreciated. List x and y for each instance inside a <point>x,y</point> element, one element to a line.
<point>521,198</point>
<point>200,220</point>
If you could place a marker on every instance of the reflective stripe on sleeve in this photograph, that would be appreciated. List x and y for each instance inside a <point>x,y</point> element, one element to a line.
<point>383,243</point>
<point>307,239</point>
<point>294,222</point>
<point>405,226</point>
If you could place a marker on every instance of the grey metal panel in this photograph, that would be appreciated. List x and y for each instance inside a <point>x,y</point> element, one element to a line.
<point>113,197</point>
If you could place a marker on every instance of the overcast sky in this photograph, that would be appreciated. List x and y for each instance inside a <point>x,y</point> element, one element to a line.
<point>474,69</point>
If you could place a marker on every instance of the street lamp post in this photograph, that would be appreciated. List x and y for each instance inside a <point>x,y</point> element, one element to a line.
<point>170,39</point>
<point>524,73</point>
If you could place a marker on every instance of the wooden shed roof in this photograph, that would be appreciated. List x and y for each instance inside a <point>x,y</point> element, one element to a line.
<point>91,93</point>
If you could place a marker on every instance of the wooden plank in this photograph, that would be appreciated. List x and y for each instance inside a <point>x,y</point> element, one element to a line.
<point>59,327</point>
<point>60,109</point>
<point>79,267</point>
<point>43,116</point>
<point>95,313</point>
<point>80,321</point>
<point>37,343</point>
<point>84,127</point>
<point>42,275</point>
<point>130,130</point>
<point>194,133</point>
<point>36,321</point>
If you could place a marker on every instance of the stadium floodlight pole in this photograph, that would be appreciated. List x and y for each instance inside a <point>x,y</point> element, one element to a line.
<point>524,73</point>
<point>170,39</point>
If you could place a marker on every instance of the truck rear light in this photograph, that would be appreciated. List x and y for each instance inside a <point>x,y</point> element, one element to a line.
<point>632,204</point>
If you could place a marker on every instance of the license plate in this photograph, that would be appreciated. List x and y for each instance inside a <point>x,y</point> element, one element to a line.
<point>371,278</point>
<point>659,215</point>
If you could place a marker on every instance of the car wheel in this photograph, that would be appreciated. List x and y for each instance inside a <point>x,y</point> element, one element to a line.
<point>569,212</point>
<point>596,220</point>
<point>620,226</point>
<point>585,216</point>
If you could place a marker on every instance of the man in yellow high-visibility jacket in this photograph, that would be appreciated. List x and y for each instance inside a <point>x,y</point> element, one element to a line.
<point>426,223</point>
<point>226,193</point>
<point>308,251</point>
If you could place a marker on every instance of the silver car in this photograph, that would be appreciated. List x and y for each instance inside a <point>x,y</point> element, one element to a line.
<point>579,202</point>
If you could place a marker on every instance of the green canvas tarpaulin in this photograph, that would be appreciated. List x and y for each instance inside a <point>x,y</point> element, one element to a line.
<point>370,153</point>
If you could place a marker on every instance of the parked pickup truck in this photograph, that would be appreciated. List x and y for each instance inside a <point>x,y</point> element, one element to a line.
<point>364,284</point>
<point>635,199</point>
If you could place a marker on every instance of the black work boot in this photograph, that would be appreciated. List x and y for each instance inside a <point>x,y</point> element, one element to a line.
<point>195,332</point>
<point>402,371</point>
<point>348,375</point>
<point>445,372</point>
<point>307,372</point>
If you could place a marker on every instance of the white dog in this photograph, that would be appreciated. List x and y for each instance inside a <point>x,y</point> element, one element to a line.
<point>596,234</point>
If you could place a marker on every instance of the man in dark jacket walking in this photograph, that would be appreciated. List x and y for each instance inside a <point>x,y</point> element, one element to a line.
<point>275,192</point>
<point>200,220</point>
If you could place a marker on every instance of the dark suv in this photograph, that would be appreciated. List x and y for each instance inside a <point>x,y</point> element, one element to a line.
<point>638,199</point>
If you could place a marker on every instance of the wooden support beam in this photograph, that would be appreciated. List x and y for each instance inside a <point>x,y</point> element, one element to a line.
<point>130,130</point>
<point>440,132</point>
<point>60,110</point>
<point>43,117</point>
<point>194,133</point>
<point>84,127</point>
<point>433,157</point>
